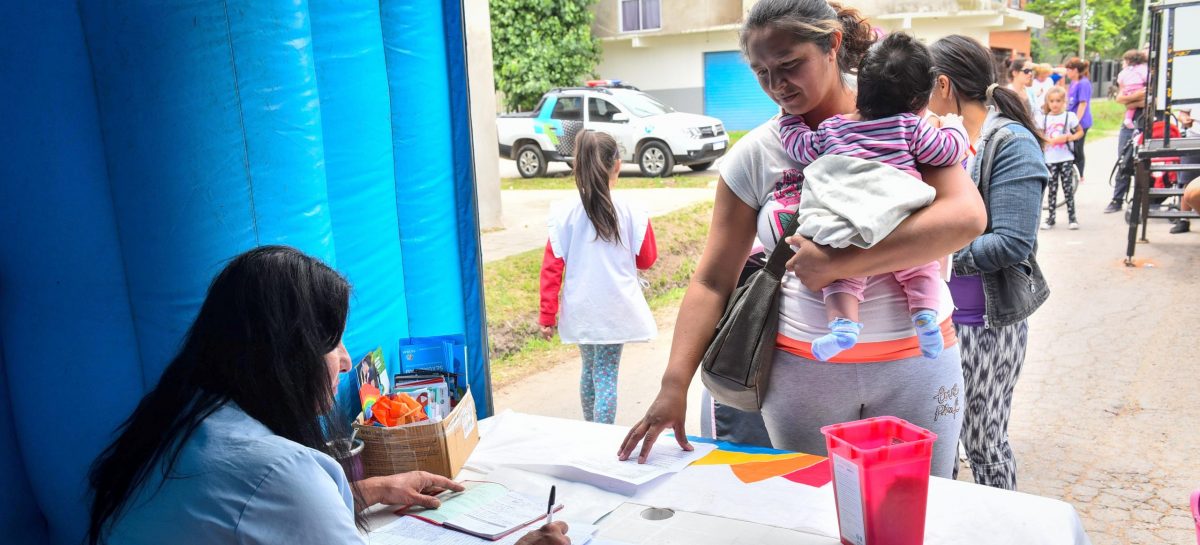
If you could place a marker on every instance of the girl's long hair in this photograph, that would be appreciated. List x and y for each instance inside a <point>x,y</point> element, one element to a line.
<point>596,156</point>
<point>259,341</point>
<point>969,66</point>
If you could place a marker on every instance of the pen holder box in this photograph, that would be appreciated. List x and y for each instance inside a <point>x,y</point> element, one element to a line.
<point>437,447</point>
<point>880,479</point>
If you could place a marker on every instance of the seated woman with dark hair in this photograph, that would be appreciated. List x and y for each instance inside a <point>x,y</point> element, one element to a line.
<point>231,445</point>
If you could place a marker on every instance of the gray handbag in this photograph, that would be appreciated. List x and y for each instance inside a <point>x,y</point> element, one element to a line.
<point>737,364</point>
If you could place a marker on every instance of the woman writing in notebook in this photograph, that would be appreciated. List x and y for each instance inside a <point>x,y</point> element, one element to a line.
<point>230,446</point>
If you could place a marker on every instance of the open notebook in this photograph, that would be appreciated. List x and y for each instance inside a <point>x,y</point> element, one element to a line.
<point>487,510</point>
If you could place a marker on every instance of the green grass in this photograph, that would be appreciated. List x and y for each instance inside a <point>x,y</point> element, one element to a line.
<point>734,136</point>
<point>511,292</point>
<point>1107,117</point>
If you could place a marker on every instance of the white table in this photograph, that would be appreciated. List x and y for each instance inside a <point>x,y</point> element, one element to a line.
<point>711,497</point>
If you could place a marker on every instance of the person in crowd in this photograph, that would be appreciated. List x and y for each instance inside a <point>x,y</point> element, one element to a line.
<point>801,51</point>
<point>1134,102</point>
<point>1041,82</point>
<point>236,443</point>
<point>602,242</point>
<point>1079,102</point>
<point>1059,77</point>
<point>1191,129</point>
<point>894,84</point>
<point>1133,78</point>
<point>1020,81</point>
<point>1061,128</point>
<point>1191,196</point>
<point>992,307</point>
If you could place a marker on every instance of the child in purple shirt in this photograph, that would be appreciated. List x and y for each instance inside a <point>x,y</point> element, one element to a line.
<point>894,82</point>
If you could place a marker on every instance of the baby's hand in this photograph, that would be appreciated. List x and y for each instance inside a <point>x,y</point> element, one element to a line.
<point>934,121</point>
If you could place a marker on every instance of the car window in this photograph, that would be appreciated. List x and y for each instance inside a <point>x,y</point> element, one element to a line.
<point>601,111</point>
<point>643,105</point>
<point>568,109</point>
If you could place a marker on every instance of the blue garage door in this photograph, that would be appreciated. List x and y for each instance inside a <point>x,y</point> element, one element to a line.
<point>732,94</point>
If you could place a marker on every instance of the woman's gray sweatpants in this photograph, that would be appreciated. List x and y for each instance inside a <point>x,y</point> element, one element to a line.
<point>803,395</point>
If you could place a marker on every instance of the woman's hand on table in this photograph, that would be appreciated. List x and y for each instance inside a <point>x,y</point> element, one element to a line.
<point>813,264</point>
<point>416,488</point>
<point>668,411</point>
<point>554,533</point>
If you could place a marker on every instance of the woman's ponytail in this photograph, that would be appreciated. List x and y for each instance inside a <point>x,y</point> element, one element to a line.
<point>857,37</point>
<point>596,156</point>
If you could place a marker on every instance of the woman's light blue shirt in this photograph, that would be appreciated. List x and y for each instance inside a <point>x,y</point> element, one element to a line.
<point>237,482</point>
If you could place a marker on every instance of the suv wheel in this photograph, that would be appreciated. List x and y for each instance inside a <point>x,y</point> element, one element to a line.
<point>655,160</point>
<point>530,161</point>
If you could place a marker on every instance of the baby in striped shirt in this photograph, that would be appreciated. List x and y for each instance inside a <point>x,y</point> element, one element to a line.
<point>895,79</point>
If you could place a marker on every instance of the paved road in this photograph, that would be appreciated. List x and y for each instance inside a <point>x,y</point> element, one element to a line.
<point>1106,414</point>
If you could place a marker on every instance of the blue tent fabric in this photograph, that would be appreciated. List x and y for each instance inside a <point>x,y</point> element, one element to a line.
<point>356,120</point>
<point>426,201</point>
<point>64,309</point>
<point>21,522</point>
<point>212,129</point>
<point>468,216</point>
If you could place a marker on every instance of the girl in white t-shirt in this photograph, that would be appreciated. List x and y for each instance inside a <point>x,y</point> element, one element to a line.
<point>1059,127</point>
<point>602,242</point>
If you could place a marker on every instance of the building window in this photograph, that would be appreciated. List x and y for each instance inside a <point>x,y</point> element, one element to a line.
<point>640,15</point>
<point>1015,4</point>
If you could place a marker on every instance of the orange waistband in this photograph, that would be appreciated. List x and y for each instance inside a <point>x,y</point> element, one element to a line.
<point>875,352</point>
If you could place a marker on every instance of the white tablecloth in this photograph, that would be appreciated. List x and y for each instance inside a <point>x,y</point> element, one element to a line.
<point>957,512</point>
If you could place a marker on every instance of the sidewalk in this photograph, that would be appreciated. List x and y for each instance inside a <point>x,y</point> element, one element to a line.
<point>1105,413</point>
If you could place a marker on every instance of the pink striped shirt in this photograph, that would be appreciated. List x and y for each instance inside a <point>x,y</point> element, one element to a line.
<point>903,140</point>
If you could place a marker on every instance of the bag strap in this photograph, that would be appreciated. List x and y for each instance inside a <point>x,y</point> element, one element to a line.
<point>783,251</point>
<point>985,166</point>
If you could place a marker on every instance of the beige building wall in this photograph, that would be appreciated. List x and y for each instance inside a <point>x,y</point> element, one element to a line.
<point>482,87</point>
<point>677,16</point>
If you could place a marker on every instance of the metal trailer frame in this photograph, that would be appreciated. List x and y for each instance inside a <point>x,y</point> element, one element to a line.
<point>1152,148</point>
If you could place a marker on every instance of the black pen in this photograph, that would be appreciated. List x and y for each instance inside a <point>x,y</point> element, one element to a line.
<point>550,507</point>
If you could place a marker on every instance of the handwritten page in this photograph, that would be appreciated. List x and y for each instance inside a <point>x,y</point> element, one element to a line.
<point>498,516</point>
<point>411,531</point>
<point>476,496</point>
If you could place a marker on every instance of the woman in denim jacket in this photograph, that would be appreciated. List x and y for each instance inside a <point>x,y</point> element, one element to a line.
<point>996,282</point>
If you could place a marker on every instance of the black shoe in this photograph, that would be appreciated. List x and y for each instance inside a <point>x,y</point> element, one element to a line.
<point>1181,226</point>
<point>1114,206</point>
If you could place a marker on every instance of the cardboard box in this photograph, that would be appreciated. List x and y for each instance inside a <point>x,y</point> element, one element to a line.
<point>436,447</point>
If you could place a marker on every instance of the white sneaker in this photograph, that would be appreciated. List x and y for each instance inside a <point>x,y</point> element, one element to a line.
<point>1047,226</point>
<point>1073,226</point>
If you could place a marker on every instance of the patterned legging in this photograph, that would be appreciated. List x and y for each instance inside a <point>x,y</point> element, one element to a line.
<point>991,363</point>
<point>598,383</point>
<point>1060,173</point>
